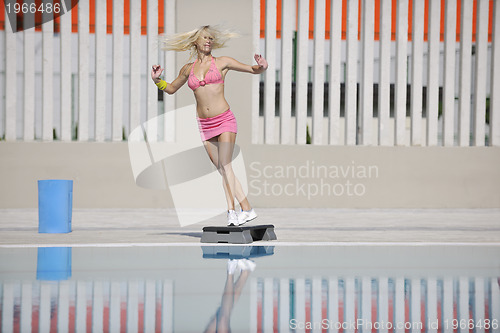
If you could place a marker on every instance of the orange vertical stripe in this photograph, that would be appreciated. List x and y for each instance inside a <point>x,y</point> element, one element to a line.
<point>426,20</point>
<point>38,14</point>
<point>344,19</point>
<point>161,17</point>
<point>459,10</point>
<point>74,16</point>
<point>263,18</point>
<point>126,17</point>
<point>311,19</point>
<point>278,18</point>
<point>2,16</point>
<point>441,29</point>
<point>490,21</point>
<point>109,16</point>
<point>92,16</point>
<point>393,19</point>
<point>328,19</point>
<point>144,16</point>
<point>410,19</point>
<point>376,29</point>
<point>359,19</point>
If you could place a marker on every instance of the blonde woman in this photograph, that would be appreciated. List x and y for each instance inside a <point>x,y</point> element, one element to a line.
<point>218,128</point>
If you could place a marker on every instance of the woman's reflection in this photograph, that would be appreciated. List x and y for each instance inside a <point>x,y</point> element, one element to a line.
<point>232,291</point>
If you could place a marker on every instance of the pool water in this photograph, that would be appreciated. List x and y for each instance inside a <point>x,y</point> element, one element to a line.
<point>292,288</point>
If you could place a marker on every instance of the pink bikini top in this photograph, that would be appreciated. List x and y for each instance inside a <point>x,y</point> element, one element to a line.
<point>213,76</point>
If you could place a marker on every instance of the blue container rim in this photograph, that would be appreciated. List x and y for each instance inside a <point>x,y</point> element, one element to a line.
<point>55,180</point>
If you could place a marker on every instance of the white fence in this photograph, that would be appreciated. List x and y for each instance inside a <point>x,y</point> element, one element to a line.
<point>84,86</point>
<point>95,87</point>
<point>360,64</point>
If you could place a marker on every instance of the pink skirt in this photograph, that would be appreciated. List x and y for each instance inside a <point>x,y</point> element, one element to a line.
<point>213,126</point>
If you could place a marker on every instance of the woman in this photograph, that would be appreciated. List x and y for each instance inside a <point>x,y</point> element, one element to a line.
<point>205,76</point>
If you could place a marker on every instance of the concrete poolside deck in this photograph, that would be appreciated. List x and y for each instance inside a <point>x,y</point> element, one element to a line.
<point>19,227</point>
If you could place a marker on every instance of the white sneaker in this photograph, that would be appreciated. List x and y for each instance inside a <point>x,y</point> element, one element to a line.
<point>232,218</point>
<point>246,216</point>
<point>233,266</point>
<point>247,265</point>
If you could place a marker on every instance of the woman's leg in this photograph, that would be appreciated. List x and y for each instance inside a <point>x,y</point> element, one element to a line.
<point>226,306</point>
<point>212,148</point>
<point>220,321</point>
<point>240,283</point>
<point>226,147</point>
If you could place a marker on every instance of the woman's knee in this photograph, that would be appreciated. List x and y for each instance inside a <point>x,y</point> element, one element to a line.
<point>225,169</point>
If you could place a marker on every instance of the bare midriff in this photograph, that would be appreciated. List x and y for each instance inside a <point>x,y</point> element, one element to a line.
<point>210,100</point>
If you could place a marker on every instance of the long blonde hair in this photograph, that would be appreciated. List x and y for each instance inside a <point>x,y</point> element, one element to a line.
<point>186,40</point>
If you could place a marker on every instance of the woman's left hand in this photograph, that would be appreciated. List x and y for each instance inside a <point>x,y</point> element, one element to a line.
<point>261,61</point>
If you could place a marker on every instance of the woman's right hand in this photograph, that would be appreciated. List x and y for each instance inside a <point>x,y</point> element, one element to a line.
<point>156,72</point>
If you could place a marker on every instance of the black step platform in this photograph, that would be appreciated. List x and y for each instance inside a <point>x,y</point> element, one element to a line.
<point>238,235</point>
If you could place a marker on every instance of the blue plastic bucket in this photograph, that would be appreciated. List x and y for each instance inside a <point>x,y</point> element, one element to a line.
<point>55,205</point>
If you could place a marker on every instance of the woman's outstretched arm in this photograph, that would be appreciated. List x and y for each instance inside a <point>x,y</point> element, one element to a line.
<point>171,88</point>
<point>233,64</point>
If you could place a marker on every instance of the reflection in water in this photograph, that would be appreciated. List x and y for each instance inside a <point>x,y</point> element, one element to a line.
<point>220,322</point>
<point>238,263</point>
<point>53,263</point>
<point>236,252</point>
<point>380,304</point>
<point>52,304</point>
<point>59,306</point>
<point>256,290</point>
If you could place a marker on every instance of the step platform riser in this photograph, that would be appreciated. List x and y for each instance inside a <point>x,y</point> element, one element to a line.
<point>238,235</point>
